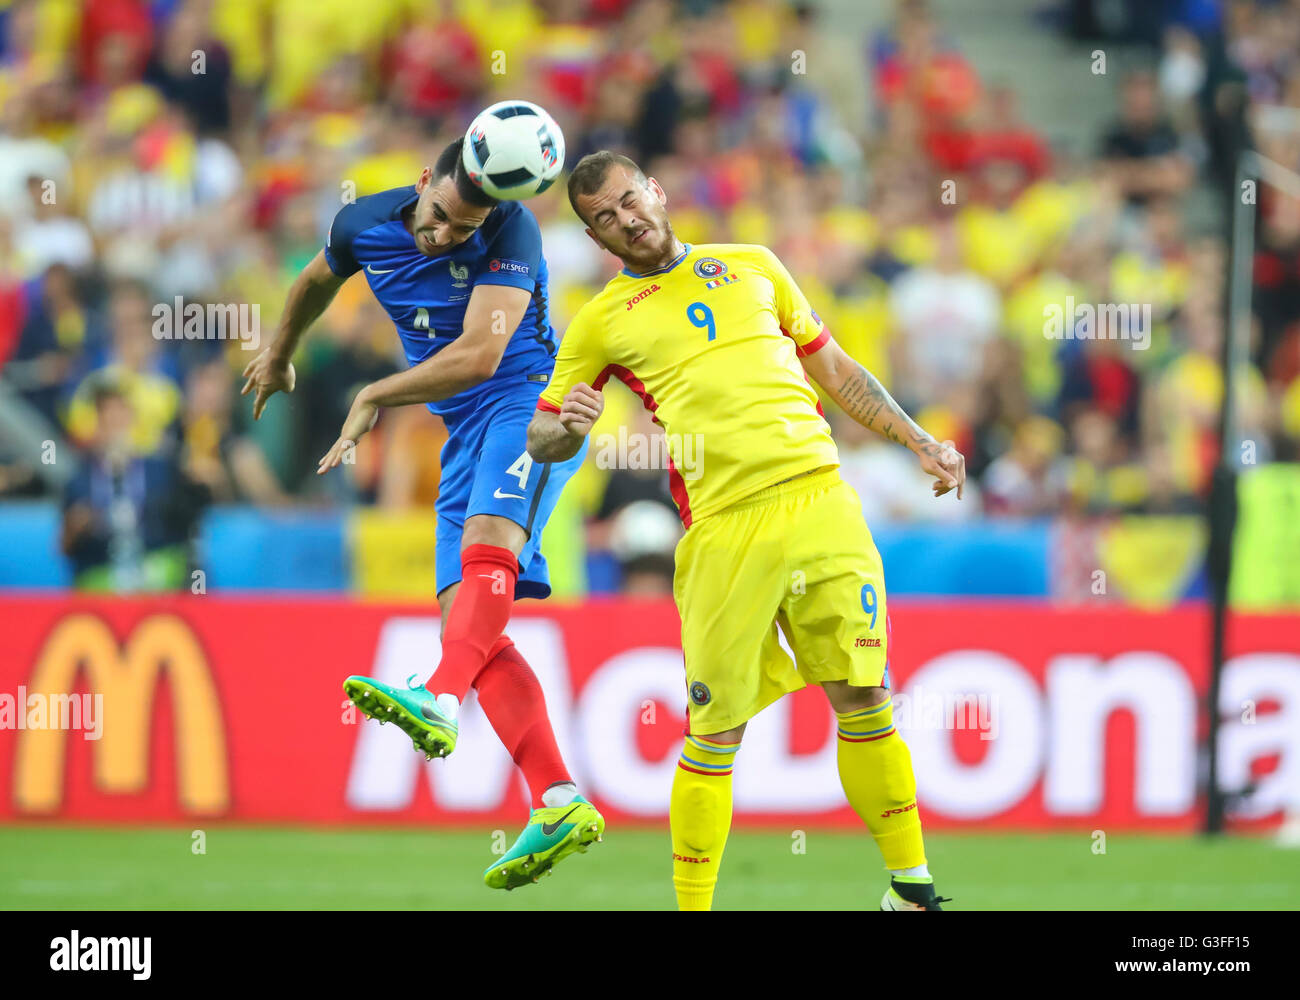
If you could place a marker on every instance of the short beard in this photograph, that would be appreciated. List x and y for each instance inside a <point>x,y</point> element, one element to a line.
<point>663,256</point>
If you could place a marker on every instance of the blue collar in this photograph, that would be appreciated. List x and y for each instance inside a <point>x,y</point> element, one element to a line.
<point>661,270</point>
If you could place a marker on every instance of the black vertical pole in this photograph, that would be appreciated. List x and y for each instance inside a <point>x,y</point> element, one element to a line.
<point>1222,511</point>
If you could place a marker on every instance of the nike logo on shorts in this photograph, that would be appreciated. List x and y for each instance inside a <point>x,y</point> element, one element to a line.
<point>371,269</point>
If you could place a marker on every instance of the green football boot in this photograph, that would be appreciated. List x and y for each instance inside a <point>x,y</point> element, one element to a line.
<point>552,834</point>
<point>414,711</point>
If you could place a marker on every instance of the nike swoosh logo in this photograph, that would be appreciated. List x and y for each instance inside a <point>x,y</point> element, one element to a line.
<point>371,269</point>
<point>548,829</point>
<point>507,496</point>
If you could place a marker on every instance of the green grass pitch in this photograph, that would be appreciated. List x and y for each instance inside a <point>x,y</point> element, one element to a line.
<point>47,867</point>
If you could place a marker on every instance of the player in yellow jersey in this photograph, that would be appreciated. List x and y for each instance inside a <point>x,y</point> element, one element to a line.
<point>719,343</point>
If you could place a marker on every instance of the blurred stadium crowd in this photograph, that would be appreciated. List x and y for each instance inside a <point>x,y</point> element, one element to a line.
<point>200,148</point>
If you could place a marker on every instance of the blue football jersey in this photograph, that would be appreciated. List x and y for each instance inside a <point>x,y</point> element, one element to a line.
<point>426,297</point>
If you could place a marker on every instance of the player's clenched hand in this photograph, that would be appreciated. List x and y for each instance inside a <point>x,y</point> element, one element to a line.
<point>946,464</point>
<point>268,375</point>
<point>581,409</point>
<point>360,419</point>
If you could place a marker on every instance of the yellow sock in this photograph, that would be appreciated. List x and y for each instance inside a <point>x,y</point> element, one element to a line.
<point>699,813</point>
<point>876,772</point>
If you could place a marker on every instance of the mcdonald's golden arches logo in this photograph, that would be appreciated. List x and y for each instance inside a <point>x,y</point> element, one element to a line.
<point>127,676</point>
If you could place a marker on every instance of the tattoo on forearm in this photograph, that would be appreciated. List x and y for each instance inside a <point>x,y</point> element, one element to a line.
<point>864,399</point>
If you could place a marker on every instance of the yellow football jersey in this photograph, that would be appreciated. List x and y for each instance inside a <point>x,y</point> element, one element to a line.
<point>711,344</point>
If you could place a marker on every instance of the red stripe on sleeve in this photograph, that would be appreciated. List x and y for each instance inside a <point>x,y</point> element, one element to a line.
<point>547,405</point>
<point>813,346</point>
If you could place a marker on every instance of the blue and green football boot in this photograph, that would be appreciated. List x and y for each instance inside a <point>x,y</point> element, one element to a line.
<point>552,834</point>
<point>414,711</point>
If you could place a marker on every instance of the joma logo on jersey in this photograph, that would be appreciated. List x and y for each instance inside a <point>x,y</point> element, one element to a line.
<point>862,641</point>
<point>641,295</point>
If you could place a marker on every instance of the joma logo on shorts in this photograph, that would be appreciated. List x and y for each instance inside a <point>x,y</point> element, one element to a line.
<point>694,861</point>
<point>641,295</point>
<point>860,641</point>
<point>894,812</point>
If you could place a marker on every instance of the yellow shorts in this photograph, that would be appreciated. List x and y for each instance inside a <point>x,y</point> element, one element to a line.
<point>798,555</point>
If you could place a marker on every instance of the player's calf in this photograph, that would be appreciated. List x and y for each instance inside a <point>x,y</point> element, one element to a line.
<point>699,815</point>
<point>477,618</point>
<point>876,773</point>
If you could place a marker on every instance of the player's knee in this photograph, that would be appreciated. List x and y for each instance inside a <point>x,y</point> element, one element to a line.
<point>845,698</point>
<point>729,736</point>
<point>488,529</point>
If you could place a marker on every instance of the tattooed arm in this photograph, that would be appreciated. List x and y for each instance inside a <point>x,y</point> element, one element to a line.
<point>859,394</point>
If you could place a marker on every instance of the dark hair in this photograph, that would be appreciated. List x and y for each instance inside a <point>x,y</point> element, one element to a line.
<point>450,164</point>
<point>589,174</point>
<point>102,386</point>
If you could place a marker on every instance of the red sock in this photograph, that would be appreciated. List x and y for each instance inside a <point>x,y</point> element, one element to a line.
<point>512,700</point>
<point>479,614</point>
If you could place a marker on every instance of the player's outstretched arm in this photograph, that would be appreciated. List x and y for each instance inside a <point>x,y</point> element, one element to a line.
<point>859,394</point>
<point>556,437</point>
<point>272,370</point>
<point>493,313</point>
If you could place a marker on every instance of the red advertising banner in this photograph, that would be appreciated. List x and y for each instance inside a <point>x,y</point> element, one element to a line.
<point>1018,715</point>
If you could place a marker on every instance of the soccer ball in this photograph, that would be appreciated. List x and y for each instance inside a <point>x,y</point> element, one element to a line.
<point>513,150</point>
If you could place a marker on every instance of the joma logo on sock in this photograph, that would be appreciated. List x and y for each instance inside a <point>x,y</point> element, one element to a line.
<point>693,861</point>
<point>894,812</point>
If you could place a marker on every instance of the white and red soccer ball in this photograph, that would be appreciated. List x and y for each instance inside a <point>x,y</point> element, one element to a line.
<point>513,150</point>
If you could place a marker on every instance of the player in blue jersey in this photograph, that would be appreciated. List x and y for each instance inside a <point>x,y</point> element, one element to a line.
<point>463,278</point>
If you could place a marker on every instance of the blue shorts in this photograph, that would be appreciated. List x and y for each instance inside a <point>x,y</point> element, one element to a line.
<point>486,469</point>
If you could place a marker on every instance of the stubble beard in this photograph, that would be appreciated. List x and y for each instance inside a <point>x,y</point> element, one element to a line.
<point>660,256</point>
